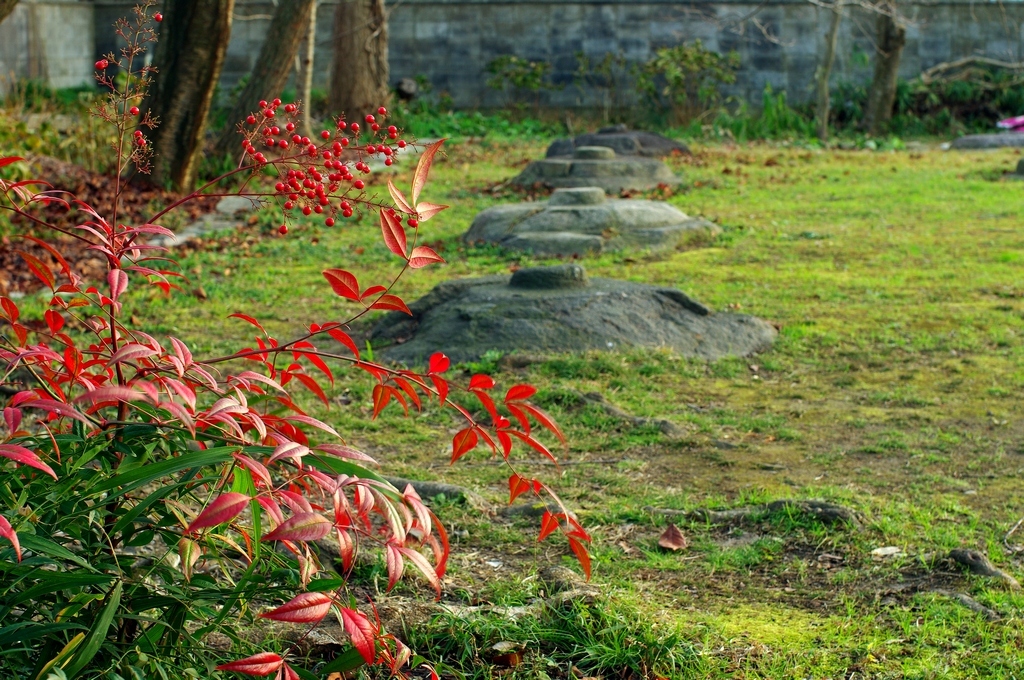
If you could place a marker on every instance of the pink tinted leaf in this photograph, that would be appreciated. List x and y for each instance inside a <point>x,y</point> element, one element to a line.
<point>419,179</point>
<point>112,393</point>
<point>360,632</point>
<point>394,233</point>
<point>224,508</point>
<point>428,210</point>
<point>423,256</point>
<point>399,198</point>
<point>12,416</point>
<point>129,352</point>
<point>307,526</point>
<point>8,532</point>
<point>395,563</point>
<point>57,407</point>
<point>247,319</point>
<point>303,608</point>
<point>343,283</point>
<point>118,280</point>
<point>424,567</point>
<point>19,454</point>
<point>258,665</point>
<point>345,452</point>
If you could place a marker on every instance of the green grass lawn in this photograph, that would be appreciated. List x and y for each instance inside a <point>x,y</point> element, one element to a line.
<point>896,279</point>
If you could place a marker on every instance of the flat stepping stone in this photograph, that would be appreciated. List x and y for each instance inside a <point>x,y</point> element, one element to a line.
<point>597,166</point>
<point>225,217</point>
<point>622,140</point>
<point>582,221</point>
<point>560,309</point>
<point>995,140</point>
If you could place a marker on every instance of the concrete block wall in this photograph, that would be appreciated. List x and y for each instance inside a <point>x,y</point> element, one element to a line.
<point>49,41</point>
<point>450,42</point>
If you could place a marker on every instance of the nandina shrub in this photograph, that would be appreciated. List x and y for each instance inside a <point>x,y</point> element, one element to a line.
<point>151,498</point>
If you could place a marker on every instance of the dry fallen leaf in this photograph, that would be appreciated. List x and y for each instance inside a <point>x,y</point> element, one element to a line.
<point>672,539</point>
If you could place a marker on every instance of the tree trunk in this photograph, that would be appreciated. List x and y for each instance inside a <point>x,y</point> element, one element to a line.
<point>305,75</point>
<point>6,7</point>
<point>892,36</point>
<point>825,70</point>
<point>270,73</point>
<point>193,39</point>
<point>359,72</point>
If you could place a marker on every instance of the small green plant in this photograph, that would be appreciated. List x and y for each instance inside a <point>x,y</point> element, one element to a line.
<point>684,82</point>
<point>605,77</point>
<point>519,78</point>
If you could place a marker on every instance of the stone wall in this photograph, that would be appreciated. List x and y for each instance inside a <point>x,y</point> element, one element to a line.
<point>48,41</point>
<point>450,42</point>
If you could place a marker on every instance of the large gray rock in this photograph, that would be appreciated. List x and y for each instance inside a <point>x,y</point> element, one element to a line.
<point>560,309</point>
<point>596,166</point>
<point>624,141</point>
<point>996,140</point>
<point>581,221</point>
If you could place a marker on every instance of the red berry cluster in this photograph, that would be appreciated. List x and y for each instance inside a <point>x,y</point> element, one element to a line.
<point>319,175</point>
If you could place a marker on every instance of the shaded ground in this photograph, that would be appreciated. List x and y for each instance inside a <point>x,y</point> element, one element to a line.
<point>896,280</point>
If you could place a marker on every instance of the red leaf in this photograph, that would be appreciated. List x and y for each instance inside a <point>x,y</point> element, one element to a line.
<point>371,291</point>
<point>481,382</point>
<point>424,567</point>
<point>399,198</point>
<point>118,280</point>
<point>464,441</point>
<point>395,563</point>
<point>312,386</point>
<point>391,302</point>
<point>288,674</point>
<point>12,416</point>
<point>306,526</point>
<point>544,419</point>
<point>672,539</point>
<point>246,318</point>
<point>343,283</point>
<point>441,385</point>
<point>394,233</point>
<point>303,608</point>
<point>582,555</point>
<point>7,160</point>
<point>112,393</point>
<point>10,309</point>
<point>224,508</point>
<point>381,397</point>
<point>548,525</point>
<point>517,486</point>
<point>439,363</point>
<point>41,271</point>
<point>54,320</point>
<point>130,351</point>
<point>520,392</point>
<point>8,532</point>
<point>423,256</point>
<point>261,664</point>
<point>19,454</point>
<point>360,632</point>
<point>533,444</point>
<point>419,179</point>
<point>345,339</point>
<point>65,267</point>
<point>427,210</point>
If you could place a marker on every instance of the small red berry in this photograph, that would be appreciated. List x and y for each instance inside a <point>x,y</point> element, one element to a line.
<point>280,187</point>
<point>283,143</point>
<point>138,133</point>
<point>289,127</point>
<point>102,64</point>
<point>382,111</point>
<point>277,102</point>
<point>327,157</point>
<point>269,113</point>
<point>306,210</point>
<point>355,127</point>
<point>275,130</point>
<point>401,143</point>
<point>413,222</point>
<point>263,103</point>
<point>342,125</point>
<point>392,128</point>
<point>158,17</point>
<point>318,209</point>
<point>305,140</point>
<point>261,158</point>
<point>388,161</point>
<point>344,142</point>
<point>369,119</point>
<point>329,221</point>
<point>251,120</point>
<point>326,134</point>
<point>358,184</point>
<point>288,205</point>
<point>283,229</point>
<point>375,127</point>
<point>134,110</point>
<point>296,138</point>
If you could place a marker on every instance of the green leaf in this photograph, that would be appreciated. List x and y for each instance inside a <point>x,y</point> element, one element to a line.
<point>46,547</point>
<point>146,503</point>
<point>97,634</point>
<point>53,581</point>
<point>133,479</point>
<point>30,630</point>
<point>348,660</point>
